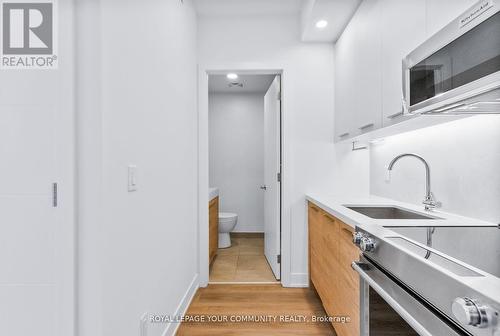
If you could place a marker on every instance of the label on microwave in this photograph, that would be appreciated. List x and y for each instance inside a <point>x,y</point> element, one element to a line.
<point>475,12</point>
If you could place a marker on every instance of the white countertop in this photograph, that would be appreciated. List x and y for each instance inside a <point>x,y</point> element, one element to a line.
<point>212,193</point>
<point>488,284</point>
<point>335,206</point>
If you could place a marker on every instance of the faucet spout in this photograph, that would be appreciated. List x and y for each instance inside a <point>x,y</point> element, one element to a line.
<point>429,201</point>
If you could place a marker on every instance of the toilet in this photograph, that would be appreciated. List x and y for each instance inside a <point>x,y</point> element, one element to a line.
<point>227,222</point>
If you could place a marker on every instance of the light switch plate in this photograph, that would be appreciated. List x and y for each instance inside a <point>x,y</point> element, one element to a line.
<point>132,178</point>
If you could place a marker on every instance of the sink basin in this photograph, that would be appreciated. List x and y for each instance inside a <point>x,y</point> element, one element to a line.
<point>388,212</point>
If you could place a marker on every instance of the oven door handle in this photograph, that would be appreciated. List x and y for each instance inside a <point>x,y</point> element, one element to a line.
<point>359,268</point>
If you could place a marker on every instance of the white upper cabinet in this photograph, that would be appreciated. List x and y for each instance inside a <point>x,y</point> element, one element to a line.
<point>369,54</point>
<point>345,90</point>
<point>358,73</point>
<point>403,29</point>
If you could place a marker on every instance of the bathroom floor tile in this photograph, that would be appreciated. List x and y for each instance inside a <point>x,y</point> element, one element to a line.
<point>251,250</point>
<point>233,250</point>
<point>253,268</point>
<point>259,242</point>
<point>224,268</point>
<point>244,261</point>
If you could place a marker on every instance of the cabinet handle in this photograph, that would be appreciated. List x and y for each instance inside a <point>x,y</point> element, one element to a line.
<point>366,126</point>
<point>344,135</point>
<point>329,217</point>
<point>347,232</point>
<point>395,115</point>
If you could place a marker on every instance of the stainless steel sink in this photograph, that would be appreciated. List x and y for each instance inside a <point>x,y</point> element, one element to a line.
<point>388,212</point>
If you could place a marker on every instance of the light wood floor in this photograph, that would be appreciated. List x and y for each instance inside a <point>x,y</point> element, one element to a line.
<point>255,300</point>
<point>244,261</point>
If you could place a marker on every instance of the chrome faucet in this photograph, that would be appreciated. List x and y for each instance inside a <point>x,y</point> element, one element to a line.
<point>429,201</point>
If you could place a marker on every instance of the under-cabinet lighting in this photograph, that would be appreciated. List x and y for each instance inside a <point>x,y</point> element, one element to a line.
<point>232,76</point>
<point>449,107</point>
<point>378,141</point>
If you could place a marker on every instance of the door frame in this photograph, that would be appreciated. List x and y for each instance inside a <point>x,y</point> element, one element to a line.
<point>203,163</point>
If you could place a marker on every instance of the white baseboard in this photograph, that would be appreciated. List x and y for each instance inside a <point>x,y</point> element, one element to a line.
<point>299,280</point>
<point>171,328</point>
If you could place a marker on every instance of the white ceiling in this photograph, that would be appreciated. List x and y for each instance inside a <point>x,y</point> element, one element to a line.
<point>338,13</point>
<point>251,84</point>
<point>247,7</point>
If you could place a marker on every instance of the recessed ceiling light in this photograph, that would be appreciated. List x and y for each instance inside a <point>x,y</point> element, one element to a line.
<point>321,24</point>
<point>232,76</point>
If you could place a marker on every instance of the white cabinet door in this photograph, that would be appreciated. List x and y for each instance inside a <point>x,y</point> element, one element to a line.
<point>403,29</point>
<point>367,77</point>
<point>37,230</point>
<point>358,73</point>
<point>442,12</point>
<point>344,86</point>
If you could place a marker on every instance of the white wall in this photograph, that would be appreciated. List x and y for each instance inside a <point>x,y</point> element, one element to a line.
<point>136,105</point>
<point>464,157</point>
<point>236,154</point>
<point>308,109</point>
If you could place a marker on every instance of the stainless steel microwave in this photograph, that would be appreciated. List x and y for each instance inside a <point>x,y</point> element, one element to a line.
<point>457,71</point>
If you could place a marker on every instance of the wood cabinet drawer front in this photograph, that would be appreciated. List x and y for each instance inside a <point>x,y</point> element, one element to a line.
<point>213,228</point>
<point>346,231</point>
<point>331,253</point>
<point>330,234</point>
<point>324,279</point>
<point>315,225</point>
<point>348,289</point>
<point>348,252</point>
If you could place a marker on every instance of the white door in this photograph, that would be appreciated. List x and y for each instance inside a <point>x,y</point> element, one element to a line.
<point>36,234</point>
<point>272,163</point>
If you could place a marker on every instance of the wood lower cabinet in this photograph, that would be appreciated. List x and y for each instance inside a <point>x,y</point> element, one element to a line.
<point>213,228</point>
<point>331,253</point>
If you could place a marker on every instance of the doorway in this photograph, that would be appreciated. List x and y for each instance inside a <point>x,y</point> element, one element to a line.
<point>245,164</point>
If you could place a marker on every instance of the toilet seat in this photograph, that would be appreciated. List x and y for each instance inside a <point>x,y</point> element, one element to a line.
<point>227,216</point>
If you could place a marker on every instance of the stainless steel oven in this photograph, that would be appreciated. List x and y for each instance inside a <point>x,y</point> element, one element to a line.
<point>457,71</point>
<point>444,286</point>
<point>388,308</point>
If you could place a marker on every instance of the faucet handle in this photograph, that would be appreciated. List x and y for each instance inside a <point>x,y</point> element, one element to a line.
<point>431,203</point>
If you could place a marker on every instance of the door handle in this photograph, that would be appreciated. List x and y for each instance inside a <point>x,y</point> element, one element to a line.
<point>366,126</point>
<point>264,187</point>
<point>395,115</point>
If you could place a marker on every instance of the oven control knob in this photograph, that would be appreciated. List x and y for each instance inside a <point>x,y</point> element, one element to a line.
<point>356,238</point>
<point>470,312</point>
<point>367,244</point>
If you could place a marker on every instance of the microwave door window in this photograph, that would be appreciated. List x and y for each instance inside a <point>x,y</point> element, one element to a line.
<point>478,52</point>
<point>426,81</point>
<point>431,77</point>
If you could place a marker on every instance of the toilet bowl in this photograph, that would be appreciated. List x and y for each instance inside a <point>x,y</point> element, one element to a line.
<point>227,222</point>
